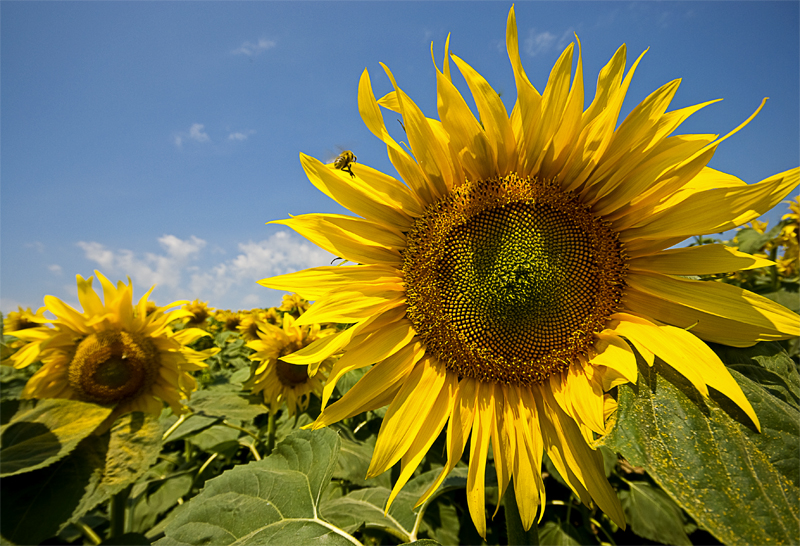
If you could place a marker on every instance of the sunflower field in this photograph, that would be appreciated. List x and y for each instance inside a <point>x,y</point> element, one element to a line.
<point>557,327</point>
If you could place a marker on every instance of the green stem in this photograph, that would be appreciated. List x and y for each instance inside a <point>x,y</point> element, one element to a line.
<point>270,431</point>
<point>117,508</point>
<point>517,535</point>
<point>242,429</point>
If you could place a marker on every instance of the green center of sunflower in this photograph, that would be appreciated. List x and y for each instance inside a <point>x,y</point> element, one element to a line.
<point>291,375</point>
<point>113,365</point>
<point>508,279</point>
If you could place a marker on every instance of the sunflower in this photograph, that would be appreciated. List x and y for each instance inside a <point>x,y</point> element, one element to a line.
<point>199,311</point>
<point>279,381</point>
<point>507,286</point>
<point>112,353</point>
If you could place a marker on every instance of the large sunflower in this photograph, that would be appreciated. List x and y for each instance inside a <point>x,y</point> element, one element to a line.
<point>503,289</point>
<point>278,381</point>
<point>111,353</point>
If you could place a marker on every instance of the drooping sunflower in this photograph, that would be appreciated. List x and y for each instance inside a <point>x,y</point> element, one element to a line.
<point>279,381</point>
<point>111,353</point>
<point>504,289</point>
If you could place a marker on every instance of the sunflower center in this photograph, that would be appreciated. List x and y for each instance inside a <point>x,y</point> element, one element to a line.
<point>508,279</point>
<point>291,375</point>
<point>113,365</point>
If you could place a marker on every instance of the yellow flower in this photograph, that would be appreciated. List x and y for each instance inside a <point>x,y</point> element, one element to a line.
<point>279,381</point>
<point>294,305</point>
<point>112,352</point>
<point>199,312</point>
<point>503,288</point>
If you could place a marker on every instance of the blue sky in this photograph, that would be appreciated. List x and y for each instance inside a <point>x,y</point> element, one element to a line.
<point>154,139</point>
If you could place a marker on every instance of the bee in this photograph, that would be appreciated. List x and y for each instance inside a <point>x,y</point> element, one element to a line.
<point>344,160</point>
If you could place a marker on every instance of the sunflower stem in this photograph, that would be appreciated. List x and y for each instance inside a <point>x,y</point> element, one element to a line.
<point>270,431</point>
<point>517,535</point>
<point>89,532</point>
<point>117,509</point>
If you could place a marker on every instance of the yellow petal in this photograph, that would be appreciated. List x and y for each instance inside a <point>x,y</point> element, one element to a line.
<point>714,311</point>
<point>429,152</point>
<point>428,433</point>
<point>716,210</point>
<point>89,299</point>
<point>405,165</point>
<point>406,414</point>
<point>369,349</point>
<point>640,331</point>
<point>494,117</point>
<point>66,315</point>
<point>369,393</point>
<point>340,242</point>
<point>711,369</point>
<point>698,260</point>
<point>355,194</point>
<point>316,282</point>
<point>479,450</point>
<point>614,353</point>
<point>466,135</point>
<point>461,418</point>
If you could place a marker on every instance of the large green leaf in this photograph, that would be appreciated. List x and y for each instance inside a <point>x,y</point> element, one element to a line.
<point>272,501</point>
<point>652,514</point>
<point>366,506</point>
<point>134,443</point>
<point>706,455</point>
<point>36,504</point>
<point>225,404</point>
<point>561,533</point>
<point>39,436</point>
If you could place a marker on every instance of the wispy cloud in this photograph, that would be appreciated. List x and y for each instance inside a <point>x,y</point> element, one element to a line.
<point>254,48</point>
<point>183,271</point>
<point>538,43</point>
<point>55,269</point>
<point>196,132</point>
<point>240,136</point>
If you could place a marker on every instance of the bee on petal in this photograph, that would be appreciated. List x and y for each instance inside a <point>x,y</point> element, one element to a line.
<point>343,162</point>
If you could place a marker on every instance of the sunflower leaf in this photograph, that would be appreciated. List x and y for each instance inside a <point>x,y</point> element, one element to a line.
<point>225,404</point>
<point>563,534</point>
<point>652,514</point>
<point>134,443</point>
<point>708,457</point>
<point>38,436</point>
<point>36,504</point>
<point>272,501</point>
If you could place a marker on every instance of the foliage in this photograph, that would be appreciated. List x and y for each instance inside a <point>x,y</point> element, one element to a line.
<point>687,470</point>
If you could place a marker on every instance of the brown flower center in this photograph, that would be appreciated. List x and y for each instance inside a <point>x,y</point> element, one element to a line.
<point>507,279</point>
<point>113,365</point>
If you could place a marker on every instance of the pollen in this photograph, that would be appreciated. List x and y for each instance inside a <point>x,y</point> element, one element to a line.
<point>508,279</point>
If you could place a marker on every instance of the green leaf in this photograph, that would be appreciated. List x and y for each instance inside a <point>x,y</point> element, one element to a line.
<point>751,241</point>
<point>561,533</point>
<point>652,514</point>
<point>217,439</point>
<point>36,504</point>
<point>272,501</point>
<point>228,405</point>
<point>41,435</point>
<point>158,491</point>
<point>354,459</point>
<point>192,424</point>
<point>134,443</point>
<point>366,506</point>
<point>720,471</point>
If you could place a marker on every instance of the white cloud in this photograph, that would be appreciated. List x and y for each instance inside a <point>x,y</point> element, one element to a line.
<point>196,133</point>
<point>55,269</point>
<point>537,43</point>
<point>254,48</point>
<point>184,270</point>
<point>240,136</point>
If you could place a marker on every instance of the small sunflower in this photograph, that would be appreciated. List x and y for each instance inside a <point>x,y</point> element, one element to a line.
<point>279,381</point>
<point>199,312</point>
<point>503,289</point>
<point>112,352</point>
<point>294,305</point>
